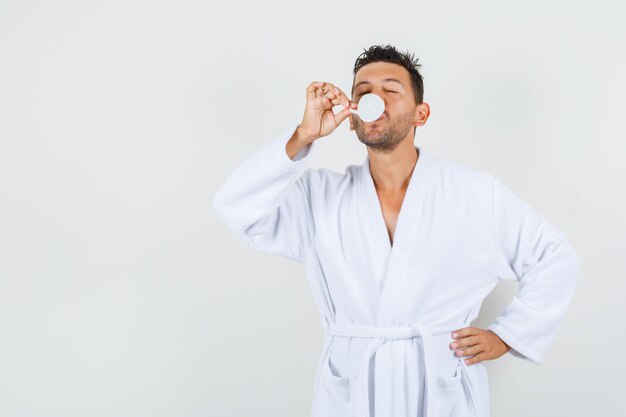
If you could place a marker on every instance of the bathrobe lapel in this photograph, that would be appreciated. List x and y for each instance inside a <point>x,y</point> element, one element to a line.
<point>393,260</point>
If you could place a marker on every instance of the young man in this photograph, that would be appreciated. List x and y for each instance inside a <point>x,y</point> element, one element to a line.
<point>400,253</point>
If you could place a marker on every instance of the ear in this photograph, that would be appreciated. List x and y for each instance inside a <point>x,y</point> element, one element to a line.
<point>422,112</point>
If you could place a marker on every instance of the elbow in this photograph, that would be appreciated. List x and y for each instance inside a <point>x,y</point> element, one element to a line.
<point>230,211</point>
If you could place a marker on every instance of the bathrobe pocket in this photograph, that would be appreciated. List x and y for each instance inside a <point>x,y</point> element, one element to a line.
<point>449,389</point>
<point>334,392</point>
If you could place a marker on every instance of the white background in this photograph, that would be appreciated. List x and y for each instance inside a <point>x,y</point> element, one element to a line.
<point>121,292</point>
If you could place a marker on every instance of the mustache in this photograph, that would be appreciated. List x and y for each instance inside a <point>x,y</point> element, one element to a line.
<point>384,116</point>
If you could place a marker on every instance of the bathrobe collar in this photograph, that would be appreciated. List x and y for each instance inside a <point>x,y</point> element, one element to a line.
<point>393,260</point>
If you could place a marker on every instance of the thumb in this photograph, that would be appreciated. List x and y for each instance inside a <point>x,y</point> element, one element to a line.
<point>342,115</point>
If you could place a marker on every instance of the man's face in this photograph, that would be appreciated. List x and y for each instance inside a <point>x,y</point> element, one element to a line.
<point>392,83</point>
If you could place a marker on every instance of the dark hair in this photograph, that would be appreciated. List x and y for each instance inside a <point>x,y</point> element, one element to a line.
<point>389,53</point>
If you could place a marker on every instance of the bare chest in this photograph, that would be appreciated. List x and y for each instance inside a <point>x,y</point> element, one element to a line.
<point>390,205</point>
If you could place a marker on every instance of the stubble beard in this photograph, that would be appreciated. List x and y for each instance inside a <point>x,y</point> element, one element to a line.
<point>384,135</point>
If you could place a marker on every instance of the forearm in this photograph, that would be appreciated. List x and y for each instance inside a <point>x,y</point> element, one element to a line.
<point>296,143</point>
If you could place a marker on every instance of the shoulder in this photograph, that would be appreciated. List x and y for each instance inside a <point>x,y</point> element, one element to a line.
<point>457,175</point>
<point>328,179</point>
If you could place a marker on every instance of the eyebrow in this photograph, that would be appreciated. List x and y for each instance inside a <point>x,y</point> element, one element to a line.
<point>384,80</point>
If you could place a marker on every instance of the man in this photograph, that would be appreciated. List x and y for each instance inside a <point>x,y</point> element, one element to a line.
<point>400,252</point>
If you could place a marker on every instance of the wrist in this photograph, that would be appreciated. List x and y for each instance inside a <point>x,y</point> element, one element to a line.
<point>295,144</point>
<point>301,138</point>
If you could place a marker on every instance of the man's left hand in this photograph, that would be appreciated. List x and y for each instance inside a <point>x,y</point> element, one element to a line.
<point>478,343</point>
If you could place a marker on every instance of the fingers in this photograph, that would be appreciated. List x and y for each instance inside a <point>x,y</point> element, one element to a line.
<point>341,116</point>
<point>311,91</point>
<point>473,354</point>
<point>476,358</point>
<point>333,93</point>
<point>465,342</point>
<point>468,342</point>
<point>328,95</point>
<point>466,331</point>
<point>470,350</point>
<point>340,97</point>
<point>476,344</point>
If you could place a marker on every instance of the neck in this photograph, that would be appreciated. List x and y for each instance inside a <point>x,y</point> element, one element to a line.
<point>392,171</point>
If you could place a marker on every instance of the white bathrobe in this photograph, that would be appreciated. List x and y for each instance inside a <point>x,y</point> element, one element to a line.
<point>388,311</point>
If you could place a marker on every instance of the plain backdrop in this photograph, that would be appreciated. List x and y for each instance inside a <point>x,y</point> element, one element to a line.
<point>122,293</point>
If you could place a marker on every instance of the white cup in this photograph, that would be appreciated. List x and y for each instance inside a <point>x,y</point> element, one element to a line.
<point>370,107</point>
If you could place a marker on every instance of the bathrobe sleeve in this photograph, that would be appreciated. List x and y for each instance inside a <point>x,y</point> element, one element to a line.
<point>265,200</point>
<point>538,255</point>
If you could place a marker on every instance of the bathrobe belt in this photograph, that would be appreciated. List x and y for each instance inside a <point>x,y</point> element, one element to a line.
<point>381,335</point>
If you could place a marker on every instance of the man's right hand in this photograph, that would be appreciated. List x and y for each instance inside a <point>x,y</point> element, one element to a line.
<point>319,119</point>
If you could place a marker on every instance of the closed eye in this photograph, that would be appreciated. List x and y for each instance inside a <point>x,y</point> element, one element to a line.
<point>365,92</point>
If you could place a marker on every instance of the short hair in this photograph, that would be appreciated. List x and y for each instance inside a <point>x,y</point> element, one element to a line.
<point>388,53</point>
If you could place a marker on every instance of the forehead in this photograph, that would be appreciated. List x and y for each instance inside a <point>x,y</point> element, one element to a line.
<point>377,72</point>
